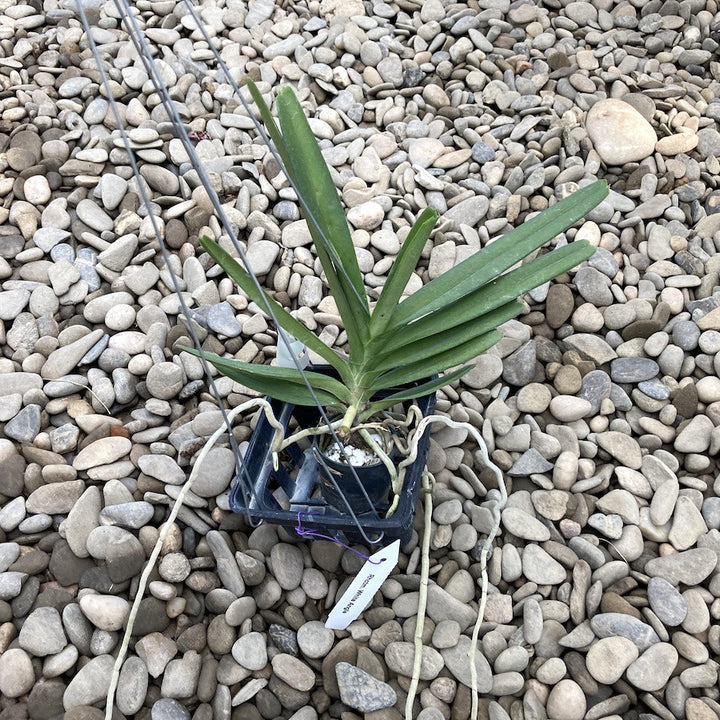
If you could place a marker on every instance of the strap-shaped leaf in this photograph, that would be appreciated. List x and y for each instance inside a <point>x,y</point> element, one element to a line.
<point>425,346</point>
<point>306,168</point>
<point>415,391</point>
<point>315,182</point>
<point>355,316</point>
<point>437,363</point>
<point>494,294</point>
<point>325,217</point>
<point>448,327</point>
<point>285,384</point>
<point>283,318</point>
<point>267,118</point>
<point>499,256</point>
<point>401,270</point>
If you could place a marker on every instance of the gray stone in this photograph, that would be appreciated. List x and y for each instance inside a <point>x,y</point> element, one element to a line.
<point>711,512</point>
<point>482,153</point>
<point>284,639</point>
<point>11,584</point>
<point>42,632</point>
<point>221,319</point>
<point>399,657</point>
<point>441,605</point>
<point>594,286</point>
<point>130,514</point>
<point>90,684</point>
<point>17,675</point>
<point>165,380</point>
<point>633,369</point>
<point>124,558</point>
<point>215,474</point>
<point>519,367</point>
<point>652,670</point>
<point>55,499</point>
<point>12,303</point>
<point>163,468</point>
<point>132,686</point>
<point>156,651</point>
<point>82,520</point>
<point>523,525</point>
<point>362,691</point>
<point>622,447</point>
<point>609,657</point>
<point>25,426</point>
<point>94,216</point>
<point>64,360</point>
<point>695,436</point>
<point>11,516</point>
<point>169,709</point>
<point>120,253</point>
<point>294,672</point>
<point>287,565</point>
<point>596,386</point>
<point>227,567</point>
<point>540,567</point>
<point>458,663</point>
<point>618,624</point>
<point>314,639</point>
<point>102,452</point>
<point>619,132</point>
<point>181,676</point>
<point>250,651</point>
<point>530,463</point>
<point>687,524</point>
<point>690,567</point>
<point>106,612</point>
<point>610,526</point>
<point>591,347</point>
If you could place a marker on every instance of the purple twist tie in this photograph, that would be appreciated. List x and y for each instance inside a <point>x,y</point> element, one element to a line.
<point>300,530</point>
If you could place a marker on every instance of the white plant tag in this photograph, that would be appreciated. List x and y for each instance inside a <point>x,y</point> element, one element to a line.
<point>368,581</point>
<point>296,350</point>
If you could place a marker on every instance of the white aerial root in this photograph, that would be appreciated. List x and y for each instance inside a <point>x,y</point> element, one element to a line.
<point>425,564</point>
<point>428,483</point>
<point>110,698</point>
<point>397,487</point>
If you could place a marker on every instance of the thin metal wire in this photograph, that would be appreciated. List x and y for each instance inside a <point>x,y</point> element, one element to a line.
<point>156,229</point>
<point>273,150</point>
<point>145,56</point>
<point>328,248</point>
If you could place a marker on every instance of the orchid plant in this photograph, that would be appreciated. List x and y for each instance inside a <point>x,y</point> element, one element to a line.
<point>397,345</point>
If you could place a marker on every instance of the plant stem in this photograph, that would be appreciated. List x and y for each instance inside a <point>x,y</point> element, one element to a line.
<point>347,421</point>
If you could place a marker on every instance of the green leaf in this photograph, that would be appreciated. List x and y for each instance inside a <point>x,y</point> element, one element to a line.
<point>401,270</point>
<point>492,295</point>
<point>285,384</point>
<point>268,120</point>
<point>306,168</point>
<point>307,165</point>
<point>437,363</point>
<point>499,256</point>
<point>326,219</point>
<point>283,318</point>
<point>459,317</point>
<point>415,391</point>
<point>418,343</point>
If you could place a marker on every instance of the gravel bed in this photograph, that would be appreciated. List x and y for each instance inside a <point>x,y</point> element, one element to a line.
<point>601,404</point>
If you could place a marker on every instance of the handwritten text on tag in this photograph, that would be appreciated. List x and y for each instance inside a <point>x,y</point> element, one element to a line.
<point>368,581</point>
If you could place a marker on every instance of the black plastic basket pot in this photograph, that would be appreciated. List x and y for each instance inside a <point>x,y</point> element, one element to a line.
<point>290,495</point>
